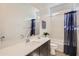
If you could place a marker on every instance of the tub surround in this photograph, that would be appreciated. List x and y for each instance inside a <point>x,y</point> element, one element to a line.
<point>23,48</point>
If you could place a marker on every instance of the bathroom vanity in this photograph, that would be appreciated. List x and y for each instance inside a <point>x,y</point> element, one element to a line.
<point>36,47</point>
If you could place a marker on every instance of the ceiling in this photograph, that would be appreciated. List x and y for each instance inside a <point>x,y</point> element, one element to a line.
<point>44,7</point>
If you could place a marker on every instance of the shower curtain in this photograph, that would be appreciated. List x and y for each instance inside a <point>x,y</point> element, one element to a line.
<point>32,27</point>
<point>70,33</point>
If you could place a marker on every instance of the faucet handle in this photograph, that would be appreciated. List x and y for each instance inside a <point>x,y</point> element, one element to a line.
<point>2,37</point>
<point>27,40</point>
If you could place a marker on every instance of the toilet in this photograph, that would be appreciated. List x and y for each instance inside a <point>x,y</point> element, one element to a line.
<point>53,47</point>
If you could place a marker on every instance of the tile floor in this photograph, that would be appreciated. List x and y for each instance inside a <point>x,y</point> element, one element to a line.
<point>58,53</point>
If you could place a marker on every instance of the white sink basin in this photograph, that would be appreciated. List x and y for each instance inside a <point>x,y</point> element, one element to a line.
<point>35,39</point>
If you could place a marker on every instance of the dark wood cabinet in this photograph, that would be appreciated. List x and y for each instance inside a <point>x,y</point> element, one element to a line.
<point>43,50</point>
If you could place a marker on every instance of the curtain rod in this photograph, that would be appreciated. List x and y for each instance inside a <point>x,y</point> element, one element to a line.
<point>64,11</point>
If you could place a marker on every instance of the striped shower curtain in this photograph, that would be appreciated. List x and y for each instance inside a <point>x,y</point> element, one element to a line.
<point>70,33</point>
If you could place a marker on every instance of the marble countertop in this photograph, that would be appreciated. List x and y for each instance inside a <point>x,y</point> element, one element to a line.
<point>23,48</point>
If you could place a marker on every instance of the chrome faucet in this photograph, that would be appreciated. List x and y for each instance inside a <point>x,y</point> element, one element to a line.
<point>28,37</point>
<point>2,37</point>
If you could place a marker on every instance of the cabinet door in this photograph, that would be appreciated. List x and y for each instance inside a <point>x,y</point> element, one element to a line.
<point>45,49</point>
<point>34,53</point>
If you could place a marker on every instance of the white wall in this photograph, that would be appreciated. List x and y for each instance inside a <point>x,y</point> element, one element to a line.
<point>12,20</point>
<point>45,18</point>
<point>58,30</point>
